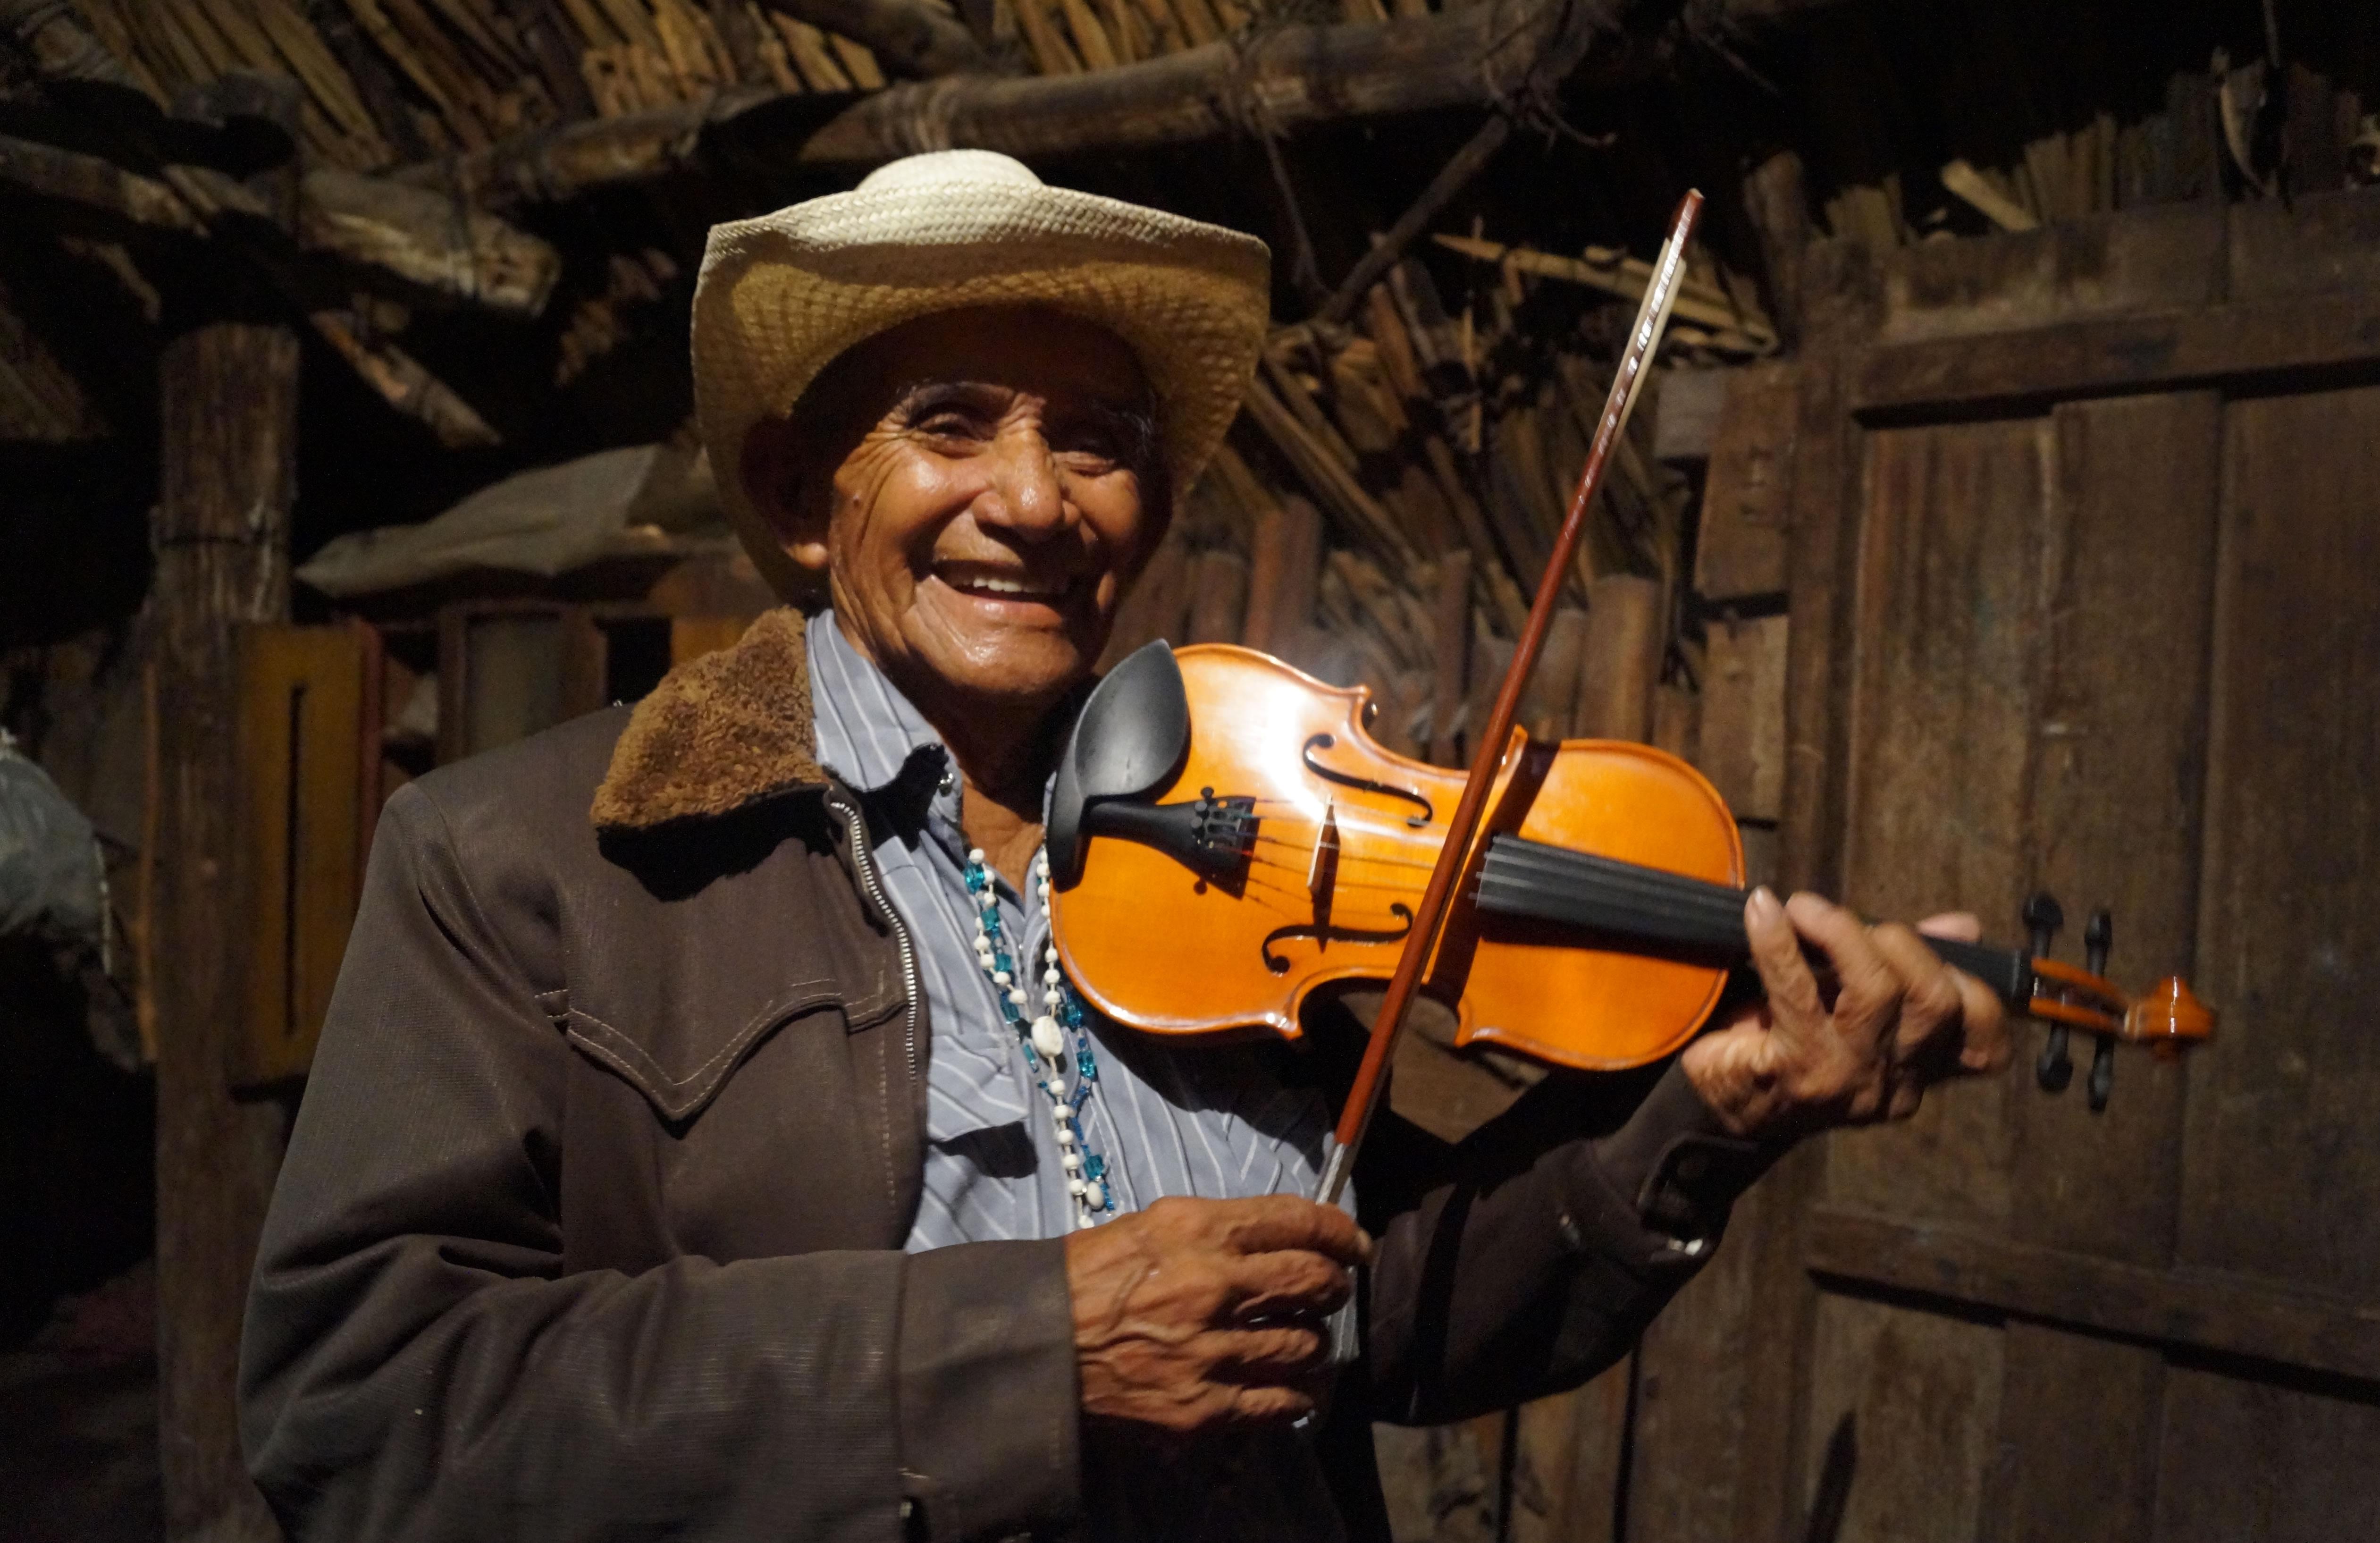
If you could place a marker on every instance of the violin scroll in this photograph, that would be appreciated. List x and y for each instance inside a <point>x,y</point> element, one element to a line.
<point>2169,1019</point>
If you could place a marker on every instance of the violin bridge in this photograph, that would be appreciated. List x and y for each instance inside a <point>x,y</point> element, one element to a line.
<point>1322,876</point>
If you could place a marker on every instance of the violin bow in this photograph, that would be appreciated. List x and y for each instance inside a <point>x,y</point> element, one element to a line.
<point>1429,918</point>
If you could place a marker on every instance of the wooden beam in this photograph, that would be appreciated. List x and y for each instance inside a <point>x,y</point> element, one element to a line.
<point>910,37</point>
<point>2202,1308</point>
<point>409,233</point>
<point>1280,79</point>
<point>2030,369</point>
<point>424,238</point>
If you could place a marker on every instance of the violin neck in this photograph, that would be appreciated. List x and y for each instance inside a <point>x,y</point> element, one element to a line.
<point>1669,912</point>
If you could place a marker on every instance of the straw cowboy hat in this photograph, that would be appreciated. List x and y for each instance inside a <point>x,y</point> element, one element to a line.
<point>782,294</point>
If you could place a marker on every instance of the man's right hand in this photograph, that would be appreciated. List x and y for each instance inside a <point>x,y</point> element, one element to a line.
<point>1195,1314</point>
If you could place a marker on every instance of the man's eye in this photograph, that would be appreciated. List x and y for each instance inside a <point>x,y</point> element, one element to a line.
<point>950,425</point>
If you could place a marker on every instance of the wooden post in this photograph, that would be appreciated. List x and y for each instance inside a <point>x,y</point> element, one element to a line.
<point>1621,661</point>
<point>227,399</point>
<point>227,408</point>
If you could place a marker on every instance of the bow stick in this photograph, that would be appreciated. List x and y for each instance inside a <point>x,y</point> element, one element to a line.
<point>1429,918</point>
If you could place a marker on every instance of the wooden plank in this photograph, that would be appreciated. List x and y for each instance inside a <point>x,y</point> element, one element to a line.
<point>2074,1460</point>
<point>2159,259</point>
<point>2316,244</point>
<point>2119,729</point>
<point>2212,1310</point>
<point>1909,1405</point>
<point>2253,343</point>
<point>1840,303</point>
<point>1692,1414</point>
<point>1949,593</point>
<point>1747,499</point>
<point>2244,1460</point>
<point>1621,662</point>
<point>1686,412</point>
<point>2281,1172</point>
<point>1742,746</point>
<point>1567,1479</point>
<point>301,740</point>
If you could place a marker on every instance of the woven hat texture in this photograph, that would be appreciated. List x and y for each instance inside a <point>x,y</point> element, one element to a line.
<point>782,294</point>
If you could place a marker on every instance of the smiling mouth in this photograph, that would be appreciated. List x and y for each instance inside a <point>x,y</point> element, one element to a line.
<point>1001,584</point>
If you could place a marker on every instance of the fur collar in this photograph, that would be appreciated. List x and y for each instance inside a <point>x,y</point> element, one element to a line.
<point>719,734</point>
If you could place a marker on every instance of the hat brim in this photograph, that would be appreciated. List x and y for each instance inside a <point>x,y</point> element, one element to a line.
<point>782,296</point>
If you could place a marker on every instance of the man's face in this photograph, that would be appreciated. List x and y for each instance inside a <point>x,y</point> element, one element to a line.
<point>984,509</point>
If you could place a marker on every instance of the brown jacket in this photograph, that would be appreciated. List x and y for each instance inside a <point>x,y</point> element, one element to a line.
<point>591,1220</point>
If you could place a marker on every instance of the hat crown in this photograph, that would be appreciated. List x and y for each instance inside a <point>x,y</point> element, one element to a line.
<point>941,166</point>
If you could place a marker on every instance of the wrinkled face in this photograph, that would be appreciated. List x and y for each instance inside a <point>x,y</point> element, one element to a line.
<point>972,483</point>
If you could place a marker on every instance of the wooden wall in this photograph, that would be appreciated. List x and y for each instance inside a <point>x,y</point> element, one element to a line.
<point>2084,594</point>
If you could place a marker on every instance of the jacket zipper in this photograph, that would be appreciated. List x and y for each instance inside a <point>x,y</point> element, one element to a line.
<point>863,862</point>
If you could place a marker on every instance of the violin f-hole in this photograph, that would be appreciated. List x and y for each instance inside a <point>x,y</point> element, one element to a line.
<point>1364,785</point>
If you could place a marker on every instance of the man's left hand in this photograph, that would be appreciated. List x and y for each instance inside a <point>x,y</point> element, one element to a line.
<point>1896,1020</point>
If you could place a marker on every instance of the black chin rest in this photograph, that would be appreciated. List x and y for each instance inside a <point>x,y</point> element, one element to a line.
<point>1131,736</point>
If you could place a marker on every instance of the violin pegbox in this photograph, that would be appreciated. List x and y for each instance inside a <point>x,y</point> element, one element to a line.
<point>2169,1019</point>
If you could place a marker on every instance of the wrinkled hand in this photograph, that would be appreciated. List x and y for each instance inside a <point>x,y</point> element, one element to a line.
<point>1195,1314</point>
<point>1897,1020</point>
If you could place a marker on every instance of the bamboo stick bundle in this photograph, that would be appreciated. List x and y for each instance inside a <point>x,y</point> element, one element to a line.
<point>808,46</point>
<point>1090,38</point>
<point>857,62</point>
<point>1198,21</point>
<point>1165,28</point>
<point>1053,55</point>
<point>114,34</point>
<point>770,46</point>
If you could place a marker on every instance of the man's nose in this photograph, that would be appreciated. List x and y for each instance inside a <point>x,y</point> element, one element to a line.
<point>1029,496</point>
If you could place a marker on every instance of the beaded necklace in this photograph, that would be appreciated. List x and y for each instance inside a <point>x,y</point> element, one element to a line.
<point>1045,1037</point>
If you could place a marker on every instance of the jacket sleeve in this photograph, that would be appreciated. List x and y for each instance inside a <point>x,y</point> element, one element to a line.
<point>415,1363</point>
<point>1529,1257</point>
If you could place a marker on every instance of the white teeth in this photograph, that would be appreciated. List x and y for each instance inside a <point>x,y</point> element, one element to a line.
<point>990,585</point>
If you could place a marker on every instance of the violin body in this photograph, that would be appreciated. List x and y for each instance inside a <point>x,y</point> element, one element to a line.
<point>1225,838</point>
<point>1335,836</point>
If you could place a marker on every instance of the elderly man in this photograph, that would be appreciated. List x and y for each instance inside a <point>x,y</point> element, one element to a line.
<point>688,1168</point>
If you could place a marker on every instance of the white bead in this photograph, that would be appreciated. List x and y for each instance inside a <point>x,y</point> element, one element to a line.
<point>975,853</point>
<point>1069,1162</point>
<point>1051,977</point>
<point>1087,1221</point>
<point>1000,977</point>
<point>1055,1089</point>
<point>1016,995</point>
<point>1094,1195</point>
<point>1051,999</point>
<point>1046,1037</point>
<point>1066,1138</point>
<point>1074,1187</point>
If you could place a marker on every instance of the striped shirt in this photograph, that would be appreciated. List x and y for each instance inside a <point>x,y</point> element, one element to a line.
<point>1221,1122</point>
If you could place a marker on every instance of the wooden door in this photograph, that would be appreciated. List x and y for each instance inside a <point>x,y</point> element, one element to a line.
<point>2084,597</point>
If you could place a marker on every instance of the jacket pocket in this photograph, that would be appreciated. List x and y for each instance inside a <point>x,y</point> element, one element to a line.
<point>680,1085</point>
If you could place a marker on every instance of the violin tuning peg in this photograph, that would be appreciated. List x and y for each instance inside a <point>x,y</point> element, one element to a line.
<point>2056,1068</point>
<point>2042,918</point>
<point>2098,934</point>
<point>2103,1073</point>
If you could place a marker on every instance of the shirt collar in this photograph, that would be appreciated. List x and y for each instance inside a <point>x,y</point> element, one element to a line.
<point>868,732</point>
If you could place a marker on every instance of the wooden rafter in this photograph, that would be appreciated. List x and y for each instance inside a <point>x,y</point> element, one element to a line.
<point>410,233</point>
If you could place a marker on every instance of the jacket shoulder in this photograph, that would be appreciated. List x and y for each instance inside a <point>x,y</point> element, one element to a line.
<point>540,787</point>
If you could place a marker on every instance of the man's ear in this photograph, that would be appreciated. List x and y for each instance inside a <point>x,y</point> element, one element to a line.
<point>776,466</point>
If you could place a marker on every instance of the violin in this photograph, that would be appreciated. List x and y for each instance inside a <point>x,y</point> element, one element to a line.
<point>1582,902</point>
<point>1227,838</point>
